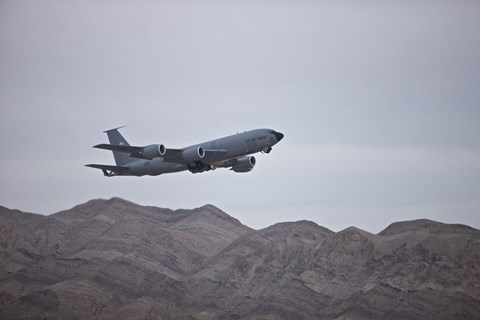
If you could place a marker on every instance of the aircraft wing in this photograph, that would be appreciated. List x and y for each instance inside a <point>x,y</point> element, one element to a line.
<point>169,155</point>
<point>119,148</point>
<point>173,153</point>
<point>139,152</point>
<point>211,155</point>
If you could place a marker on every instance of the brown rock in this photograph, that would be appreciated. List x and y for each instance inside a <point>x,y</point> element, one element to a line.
<point>111,259</point>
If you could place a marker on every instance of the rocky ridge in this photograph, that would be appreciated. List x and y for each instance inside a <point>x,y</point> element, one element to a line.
<point>110,259</point>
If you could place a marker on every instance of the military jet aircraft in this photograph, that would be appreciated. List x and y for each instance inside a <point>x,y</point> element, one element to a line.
<point>228,152</point>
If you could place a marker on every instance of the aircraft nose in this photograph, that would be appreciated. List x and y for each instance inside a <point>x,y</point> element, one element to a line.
<point>278,135</point>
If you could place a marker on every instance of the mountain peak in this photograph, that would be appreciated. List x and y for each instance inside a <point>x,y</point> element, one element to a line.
<point>218,213</point>
<point>428,226</point>
<point>208,221</point>
<point>355,230</point>
<point>304,229</point>
<point>107,202</point>
<point>90,209</point>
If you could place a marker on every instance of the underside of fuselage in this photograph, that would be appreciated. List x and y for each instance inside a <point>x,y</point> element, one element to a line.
<point>153,167</point>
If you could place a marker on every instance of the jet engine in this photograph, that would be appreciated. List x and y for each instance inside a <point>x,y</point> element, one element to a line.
<point>153,151</point>
<point>244,164</point>
<point>193,154</point>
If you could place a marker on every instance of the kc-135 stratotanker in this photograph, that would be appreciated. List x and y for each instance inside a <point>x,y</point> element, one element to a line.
<point>233,152</point>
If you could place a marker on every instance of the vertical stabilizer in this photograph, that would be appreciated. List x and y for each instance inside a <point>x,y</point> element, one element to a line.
<point>115,137</point>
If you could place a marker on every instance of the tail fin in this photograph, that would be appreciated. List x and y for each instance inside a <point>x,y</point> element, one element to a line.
<point>115,137</point>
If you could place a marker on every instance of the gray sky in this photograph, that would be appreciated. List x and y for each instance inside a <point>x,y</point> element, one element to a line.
<point>379,102</point>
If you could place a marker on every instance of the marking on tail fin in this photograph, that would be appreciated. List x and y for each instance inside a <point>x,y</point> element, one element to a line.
<point>116,138</point>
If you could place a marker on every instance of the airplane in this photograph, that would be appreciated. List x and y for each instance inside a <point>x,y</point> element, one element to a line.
<point>234,152</point>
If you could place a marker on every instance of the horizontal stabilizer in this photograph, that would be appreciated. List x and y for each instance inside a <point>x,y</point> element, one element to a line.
<point>107,167</point>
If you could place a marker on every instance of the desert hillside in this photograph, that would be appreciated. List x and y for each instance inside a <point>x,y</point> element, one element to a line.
<point>113,259</point>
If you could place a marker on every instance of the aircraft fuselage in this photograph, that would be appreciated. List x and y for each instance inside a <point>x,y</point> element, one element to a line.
<point>228,152</point>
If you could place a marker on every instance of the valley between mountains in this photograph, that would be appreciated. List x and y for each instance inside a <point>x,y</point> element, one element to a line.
<point>113,259</point>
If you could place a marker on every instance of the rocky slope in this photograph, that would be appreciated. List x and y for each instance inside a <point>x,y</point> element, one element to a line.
<point>111,259</point>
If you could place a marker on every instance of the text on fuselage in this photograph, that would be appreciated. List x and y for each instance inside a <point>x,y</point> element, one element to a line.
<point>256,139</point>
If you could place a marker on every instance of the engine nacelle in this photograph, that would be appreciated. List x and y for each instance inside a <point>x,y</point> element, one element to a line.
<point>244,164</point>
<point>193,154</point>
<point>153,151</point>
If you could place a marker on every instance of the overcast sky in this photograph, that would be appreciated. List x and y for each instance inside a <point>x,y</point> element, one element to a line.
<point>379,102</point>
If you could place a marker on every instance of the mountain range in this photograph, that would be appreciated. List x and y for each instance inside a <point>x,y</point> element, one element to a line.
<point>113,259</point>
